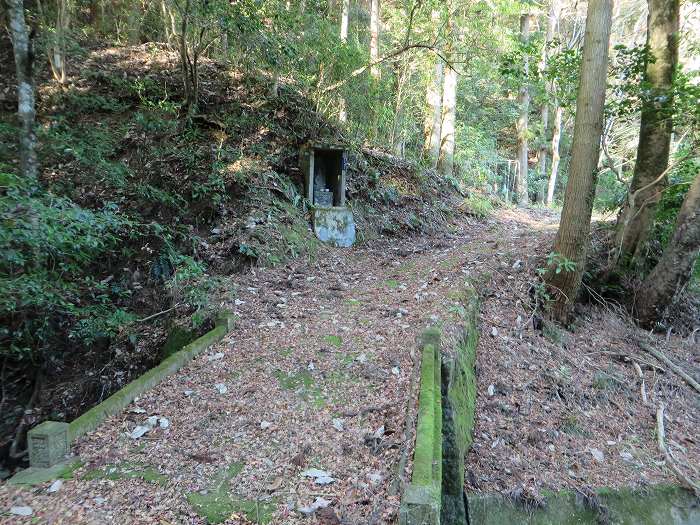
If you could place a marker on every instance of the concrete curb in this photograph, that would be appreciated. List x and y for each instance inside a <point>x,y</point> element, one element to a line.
<point>49,442</point>
<point>420,503</point>
<point>445,420</point>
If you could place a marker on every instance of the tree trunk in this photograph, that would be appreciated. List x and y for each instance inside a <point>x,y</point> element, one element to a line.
<point>433,115</point>
<point>58,19</point>
<point>374,36</point>
<point>675,267</point>
<point>449,108</point>
<point>521,125</point>
<point>637,215</point>
<point>344,21</point>
<point>24,67</point>
<point>552,20</point>
<point>134,22</point>
<point>556,137</point>
<point>572,239</point>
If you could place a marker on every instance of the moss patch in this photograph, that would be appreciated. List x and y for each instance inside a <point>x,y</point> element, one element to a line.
<point>216,504</point>
<point>302,383</point>
<point>392,284</point>
<point>127,470</point>
<point>334,340</point>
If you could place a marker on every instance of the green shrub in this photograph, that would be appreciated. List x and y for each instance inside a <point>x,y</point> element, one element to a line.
<point>478,206</point>
<point>48,245</point>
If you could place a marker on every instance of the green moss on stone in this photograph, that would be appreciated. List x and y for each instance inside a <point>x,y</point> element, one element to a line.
<point>664,504</point>
<point>37,476</point>
<point>177,338</point>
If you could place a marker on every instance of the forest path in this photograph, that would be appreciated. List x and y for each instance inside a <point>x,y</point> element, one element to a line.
<point>316,374</point>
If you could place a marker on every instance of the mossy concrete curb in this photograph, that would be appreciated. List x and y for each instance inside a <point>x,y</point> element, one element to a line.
<point>446,406</point>
<point>459,405</point>
<point>46,446</point>
<point>661,504</point>
<point>420,503</point>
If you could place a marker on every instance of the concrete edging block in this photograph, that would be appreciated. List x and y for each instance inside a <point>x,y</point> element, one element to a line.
<point>49,442</point>
<point>420,505</point>
<point>420,502</point>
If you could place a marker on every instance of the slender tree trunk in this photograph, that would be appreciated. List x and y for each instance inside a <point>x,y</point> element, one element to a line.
<point>59,20</point>
<point>522,124</point>
<point>674,269</point>
<point>449,108</point>
<point>374,36</point>
<point>552,20</point>
<point>572,239</point>
<point>24,68</point>
<point>167,27</point>
<point>556,137</point>
<point>637,215</point>
<point>344,21</point>
<point>135,20</point>
<point>433,115</point>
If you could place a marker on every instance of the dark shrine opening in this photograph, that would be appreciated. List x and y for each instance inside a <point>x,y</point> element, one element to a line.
<point>324,169</point>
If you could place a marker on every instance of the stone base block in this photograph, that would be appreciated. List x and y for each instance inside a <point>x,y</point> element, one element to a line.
<point>420,505</point>
<point>48,444</point>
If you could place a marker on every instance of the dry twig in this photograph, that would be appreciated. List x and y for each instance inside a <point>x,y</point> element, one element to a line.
<point>642,385</point>
<point>661,439</point>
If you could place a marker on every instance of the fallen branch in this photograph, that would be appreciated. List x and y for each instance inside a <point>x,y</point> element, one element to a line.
<point>673,366</point>
<point>158,314</point>
<point>661,440</point>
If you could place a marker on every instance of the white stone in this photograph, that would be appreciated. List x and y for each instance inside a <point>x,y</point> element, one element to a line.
<point>55,486</point>
<point>21,511</point>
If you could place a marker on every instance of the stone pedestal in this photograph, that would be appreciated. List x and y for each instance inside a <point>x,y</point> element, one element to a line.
<point>335,226</point>
<point>48,444</point>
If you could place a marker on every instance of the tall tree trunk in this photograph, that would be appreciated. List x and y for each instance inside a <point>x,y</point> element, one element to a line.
<point>552,20</point>
<point>433,116</point>
<point>134,22</point>
<point>521,125</point>
<point>59,20</point>
<point>374,36</point>
<point>571,244</point>
<point>344,21</point>
<point>449,107</point>
<point>675,267</point>
<point>24,68</point>
<point>556,137</point>
<point>648,180</point>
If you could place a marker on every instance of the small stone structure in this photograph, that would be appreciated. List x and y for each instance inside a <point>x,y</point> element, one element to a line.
<point>48,444</point>
<point>323,168</point>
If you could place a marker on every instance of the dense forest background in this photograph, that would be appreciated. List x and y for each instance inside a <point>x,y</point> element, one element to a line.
<point>157,155</point>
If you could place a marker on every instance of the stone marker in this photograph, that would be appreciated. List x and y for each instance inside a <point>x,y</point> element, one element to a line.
<point>48,444</point>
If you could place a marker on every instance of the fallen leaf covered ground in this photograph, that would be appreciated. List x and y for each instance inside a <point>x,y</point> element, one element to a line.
<point>300,414</point>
